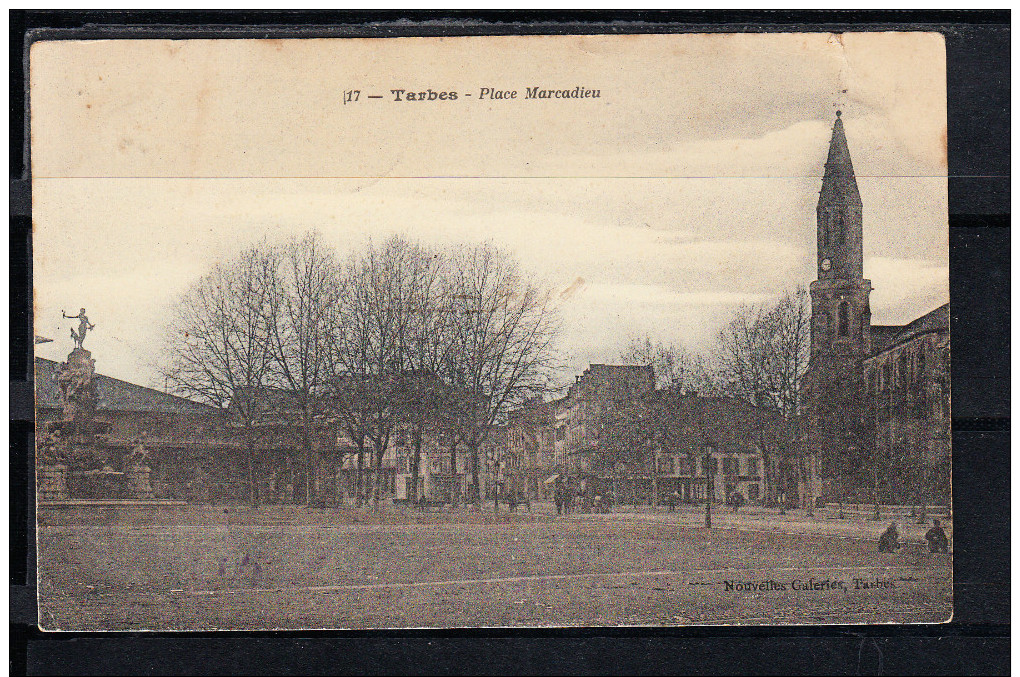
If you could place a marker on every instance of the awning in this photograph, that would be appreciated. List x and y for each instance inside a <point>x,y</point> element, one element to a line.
<point>551,479</point>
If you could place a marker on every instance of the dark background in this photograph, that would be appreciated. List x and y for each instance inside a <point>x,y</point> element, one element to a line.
<point>975,642</point>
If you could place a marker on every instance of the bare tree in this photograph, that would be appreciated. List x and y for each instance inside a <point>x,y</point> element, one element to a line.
<point>219,349</point>
<point>348,405</point>
<point>302,311</point>
<point>503,332</point>
<point>373,343</point>
<point>425,350</point>
<point>674,367</point>
<point>762,358</point>
<point>628,434</point>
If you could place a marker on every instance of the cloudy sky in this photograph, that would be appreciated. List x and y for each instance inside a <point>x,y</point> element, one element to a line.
<point>687,188</point>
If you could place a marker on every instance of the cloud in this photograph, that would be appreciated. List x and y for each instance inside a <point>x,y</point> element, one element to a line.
<point>904,289</point>
<point>710,149</point>
<point>650,294</point>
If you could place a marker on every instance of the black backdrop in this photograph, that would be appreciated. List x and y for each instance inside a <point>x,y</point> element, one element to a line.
<point>975,642</point>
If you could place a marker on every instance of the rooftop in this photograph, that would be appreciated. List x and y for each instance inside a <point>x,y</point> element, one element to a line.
<point>935,321</point>
<point>114,394</point>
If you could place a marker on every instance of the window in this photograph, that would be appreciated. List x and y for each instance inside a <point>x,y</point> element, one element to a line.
<point>713,465</point>
<point>752,492</point>
<point>840,230</point>
<point>904,368</point>
<point>920,361</point>
<point>665,465</point>
<point>844,319</point>
<point>731,466</point>
<point>685,466</point>
<point>561,433</point>
<point>753,469</point>
<point>825,230</point>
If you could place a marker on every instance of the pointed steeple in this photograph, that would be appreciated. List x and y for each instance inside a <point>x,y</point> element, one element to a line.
<point>839,180</point>
<point>840,226</point>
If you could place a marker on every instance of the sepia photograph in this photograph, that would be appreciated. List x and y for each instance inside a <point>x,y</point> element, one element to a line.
<point>491,331</point>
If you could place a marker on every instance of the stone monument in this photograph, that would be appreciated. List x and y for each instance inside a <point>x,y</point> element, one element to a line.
<point>75,444</point>
<point>52,467</point>
<point>137,472</point>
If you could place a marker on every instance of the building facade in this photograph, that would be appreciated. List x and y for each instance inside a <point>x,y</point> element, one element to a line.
<point>908,381</point>
<point>529,456</point>
<point>193,454</point>
<point>578,415</point>
<point>718,442</point>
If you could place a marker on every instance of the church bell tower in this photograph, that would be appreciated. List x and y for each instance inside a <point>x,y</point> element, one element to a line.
<point>840,318</point>
<point>839,297</point>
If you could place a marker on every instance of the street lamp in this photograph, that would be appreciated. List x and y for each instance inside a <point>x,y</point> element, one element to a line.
<point>709,485</point>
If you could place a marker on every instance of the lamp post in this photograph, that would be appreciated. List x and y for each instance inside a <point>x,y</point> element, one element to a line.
<point>878,511</point>
<point>709,485</point>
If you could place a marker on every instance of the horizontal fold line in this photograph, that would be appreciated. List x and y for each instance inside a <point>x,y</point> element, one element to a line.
<point>499,177</point>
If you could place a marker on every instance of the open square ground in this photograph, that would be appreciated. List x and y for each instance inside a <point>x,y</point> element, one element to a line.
<point>229,568</point>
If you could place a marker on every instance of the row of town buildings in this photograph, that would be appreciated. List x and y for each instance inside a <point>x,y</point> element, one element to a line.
<point>719,442</point>
<point>198,452</point>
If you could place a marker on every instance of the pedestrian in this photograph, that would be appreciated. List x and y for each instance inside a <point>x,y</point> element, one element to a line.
<point>671,499</point>
<point>936,537</point>
<point>889,541</point>
<point>558,497</point>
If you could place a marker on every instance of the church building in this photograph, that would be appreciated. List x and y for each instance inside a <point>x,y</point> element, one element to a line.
<point>850,411</point>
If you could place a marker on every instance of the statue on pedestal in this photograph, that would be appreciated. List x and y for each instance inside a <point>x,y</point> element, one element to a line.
<point>83,326</point>
<point>72,445</point>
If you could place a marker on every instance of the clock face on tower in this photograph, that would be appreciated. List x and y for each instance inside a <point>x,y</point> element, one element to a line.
<point>826,264</point>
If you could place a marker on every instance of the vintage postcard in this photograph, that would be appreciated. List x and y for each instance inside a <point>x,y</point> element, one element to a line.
<point>512,331</point>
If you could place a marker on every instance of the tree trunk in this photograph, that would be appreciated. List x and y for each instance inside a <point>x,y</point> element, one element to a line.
<point>377,484</point>
<point>495,486</point>
<point>253,484</point>
<point>769,478</point>
<point>359,476</point>
<point>311,464</point>
<point>415,463</point>
<point>454,485</point>
<point>474,475</point>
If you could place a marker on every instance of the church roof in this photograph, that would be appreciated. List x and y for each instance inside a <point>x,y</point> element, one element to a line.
<point>882,335</point>
<point>114,394</point>
<point>839,179</point>
<point>935,321</point>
